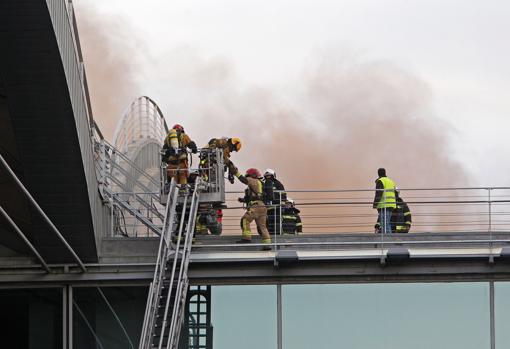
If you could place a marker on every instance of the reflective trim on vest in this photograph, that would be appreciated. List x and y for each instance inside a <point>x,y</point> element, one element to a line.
<point>388,196</point>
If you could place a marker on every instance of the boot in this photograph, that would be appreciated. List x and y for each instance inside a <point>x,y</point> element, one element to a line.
<point>266,248</point>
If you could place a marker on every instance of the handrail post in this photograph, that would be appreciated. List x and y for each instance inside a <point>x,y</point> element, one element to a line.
<point>489,200</point>
<point>280,209</point>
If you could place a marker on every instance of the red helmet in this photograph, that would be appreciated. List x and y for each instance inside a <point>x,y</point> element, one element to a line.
<point>253,172</point>
<point>178,128</point>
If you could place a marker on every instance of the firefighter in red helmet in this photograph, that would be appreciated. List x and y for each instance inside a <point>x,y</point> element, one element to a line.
<point>255,207</point>
<point>176,155</point>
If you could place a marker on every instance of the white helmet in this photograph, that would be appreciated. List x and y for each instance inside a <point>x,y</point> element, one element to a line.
<point>270,172</point>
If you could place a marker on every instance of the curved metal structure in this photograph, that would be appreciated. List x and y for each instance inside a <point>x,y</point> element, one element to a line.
<point>142,121</point>
<point>129,169</point>
<point>138,136</point>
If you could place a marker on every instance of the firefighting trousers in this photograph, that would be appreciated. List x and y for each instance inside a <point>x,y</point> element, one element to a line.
<point>257,213</point>
<point>178,170</point>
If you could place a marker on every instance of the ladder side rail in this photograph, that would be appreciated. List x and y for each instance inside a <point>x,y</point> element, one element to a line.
<point>146,336</point>
<point>162,261</point>
<point>179,302</point>
<point>146,339</point>
<point>173,272</point>
<point>177,328</point>
<point>149,305</point>
<point>183,272</point>
<point>159,274</point>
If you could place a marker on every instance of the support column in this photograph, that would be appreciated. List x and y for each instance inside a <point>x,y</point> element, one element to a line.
<point>492,314</point>
<point>279,316</point>
<point>67,317</point>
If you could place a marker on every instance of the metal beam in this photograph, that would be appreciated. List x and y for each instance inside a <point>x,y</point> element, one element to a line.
<point>41,212</point>
<point>27,242</point>
<point>319,271</point>
<point>354,271</point>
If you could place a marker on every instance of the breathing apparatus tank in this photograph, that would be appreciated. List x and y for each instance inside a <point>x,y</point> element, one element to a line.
<point>173,140</point>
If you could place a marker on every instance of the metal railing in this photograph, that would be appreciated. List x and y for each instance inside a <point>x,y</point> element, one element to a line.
<point>136,198</point>
<point>130,192</point>
<point>480,211</point>
<point>210,169</point>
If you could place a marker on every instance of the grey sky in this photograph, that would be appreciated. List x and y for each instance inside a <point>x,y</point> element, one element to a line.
<point>459,48</point>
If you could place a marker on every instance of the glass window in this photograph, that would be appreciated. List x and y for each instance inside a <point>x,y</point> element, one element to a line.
<point>94,321</point>
<point>502,313</point>
<point>382,316</point>
<point>244,317</point>
<point>31,318</point>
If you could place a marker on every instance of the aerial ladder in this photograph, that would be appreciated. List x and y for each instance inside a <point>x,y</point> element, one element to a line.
<point>167,298</point>
<point>165,309</point>
<point>167,294</point>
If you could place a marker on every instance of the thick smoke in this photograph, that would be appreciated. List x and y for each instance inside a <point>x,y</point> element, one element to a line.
<point>346,118</point>
<point>330,128</point>
<point>111,56</point>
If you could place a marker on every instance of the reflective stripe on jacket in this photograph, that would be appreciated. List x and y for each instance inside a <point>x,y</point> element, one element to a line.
<point>388,195</point>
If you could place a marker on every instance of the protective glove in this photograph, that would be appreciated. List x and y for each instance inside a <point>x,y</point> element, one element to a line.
<point>232,168</point>
<point>240,199</point>
<point>231,178</point>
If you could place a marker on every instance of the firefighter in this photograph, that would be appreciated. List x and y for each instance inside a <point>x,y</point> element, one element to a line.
<point>176,155</point>
<point>401,218</point>
<point>255,208</point>
<point>384,200</point>
<point>291,221</point>
<point>274,195</point>
<point>209,219</point>
<point>228,145</point>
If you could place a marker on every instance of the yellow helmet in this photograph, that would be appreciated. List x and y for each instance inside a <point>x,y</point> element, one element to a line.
<point>236,142</point>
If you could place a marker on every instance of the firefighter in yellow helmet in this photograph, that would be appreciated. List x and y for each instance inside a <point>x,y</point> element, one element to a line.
<point>228,145</point>
<point>256,210</point>
<point>176,155</point>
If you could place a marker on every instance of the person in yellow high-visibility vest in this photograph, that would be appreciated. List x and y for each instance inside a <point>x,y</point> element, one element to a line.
<point>384,200</point>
